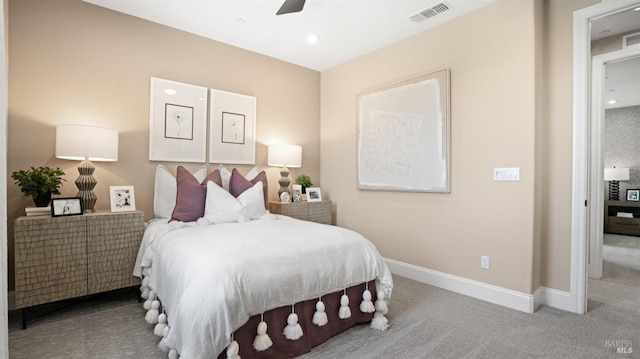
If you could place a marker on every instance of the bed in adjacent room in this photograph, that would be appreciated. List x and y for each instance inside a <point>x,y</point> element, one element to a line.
<point>229,278</point>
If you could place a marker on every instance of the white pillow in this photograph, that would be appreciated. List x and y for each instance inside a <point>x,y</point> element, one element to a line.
<point>226,175</point>
<point>222,207</point>
<point>166,188</point>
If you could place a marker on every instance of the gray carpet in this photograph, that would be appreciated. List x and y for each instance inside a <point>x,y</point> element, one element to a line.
<point>426,322</point>
<point>621,259</point>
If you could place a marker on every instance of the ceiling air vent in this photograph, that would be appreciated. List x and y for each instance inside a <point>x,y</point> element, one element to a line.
<point>430,12</point>
<point>631,40</point>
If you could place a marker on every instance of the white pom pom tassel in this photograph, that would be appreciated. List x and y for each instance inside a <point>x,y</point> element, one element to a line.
<point>153,313</point>
<point>345,311</point>
<point>232,350</point>
<point>381,303</point>
<point>379,322</point>
<point>262,341</point>
<point>293,330</point>
<point>145,293</point>
<point>150,298</point>
<point>366,306</point>
<point>173,354</point>
<point>162,323</point>
<point>320,316</point>
<point>163,343</point>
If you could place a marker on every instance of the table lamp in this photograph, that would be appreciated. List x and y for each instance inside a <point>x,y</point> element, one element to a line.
<point>86,144</point>
<point>285,156</point>
<point>614,175</point>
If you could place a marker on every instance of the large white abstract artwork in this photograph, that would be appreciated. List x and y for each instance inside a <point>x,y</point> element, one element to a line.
<point>403,136</point>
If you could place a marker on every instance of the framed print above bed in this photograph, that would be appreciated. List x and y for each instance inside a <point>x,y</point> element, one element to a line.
<point>177,122</point>
<point>403,139</point>
<point>232,128</point>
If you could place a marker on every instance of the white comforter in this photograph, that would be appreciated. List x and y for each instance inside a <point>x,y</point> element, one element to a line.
<point>212,278</point>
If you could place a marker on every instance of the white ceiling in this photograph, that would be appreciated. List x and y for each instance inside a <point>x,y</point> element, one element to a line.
<point>622,81</point>
<point>346,28</point>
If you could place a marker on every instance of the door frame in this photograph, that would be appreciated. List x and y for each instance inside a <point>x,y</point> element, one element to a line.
<point>581,179</point>
<point>596,230</point>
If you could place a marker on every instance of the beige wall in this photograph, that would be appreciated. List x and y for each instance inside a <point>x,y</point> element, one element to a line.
<point>492,125</point>
<point>73,62</point>
<point>511,96</point>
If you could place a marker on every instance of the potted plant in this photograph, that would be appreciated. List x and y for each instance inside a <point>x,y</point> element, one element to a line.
<point>39,183</point>
<point>304,181</point>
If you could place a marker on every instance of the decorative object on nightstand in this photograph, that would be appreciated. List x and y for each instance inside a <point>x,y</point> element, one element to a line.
<point>39,183</point>
<point>86,144</point>
<point>285,156</point>
<point>304,181</point>
<point>123,198</point>
<point>296,193</point>
<point>633,195</point>
<point>285,197</point>
<point>614,175</point>
<point>314,194</point>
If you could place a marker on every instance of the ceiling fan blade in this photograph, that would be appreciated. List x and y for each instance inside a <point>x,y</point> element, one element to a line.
<point>290,6</point>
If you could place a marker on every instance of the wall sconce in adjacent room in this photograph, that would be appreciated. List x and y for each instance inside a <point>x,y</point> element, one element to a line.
<point>86,144</point>
<point>614,175</point>
<point>285,156</point>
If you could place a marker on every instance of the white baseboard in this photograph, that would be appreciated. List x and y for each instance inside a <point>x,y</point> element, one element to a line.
<point>553,298</point>
<point>483,291</point>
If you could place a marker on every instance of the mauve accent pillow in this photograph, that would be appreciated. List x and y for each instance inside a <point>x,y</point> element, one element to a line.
<point>191,195</point>
<point>238,184</point>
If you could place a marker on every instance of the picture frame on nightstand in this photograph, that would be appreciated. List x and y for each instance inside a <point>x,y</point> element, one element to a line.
<point>123,198</point>
<point>68,206</point>
<point>296,193</point>
<point>314,194</point>
<point>633,195</point>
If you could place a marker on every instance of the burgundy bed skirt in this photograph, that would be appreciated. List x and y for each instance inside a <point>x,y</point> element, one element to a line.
<point>314,335</point>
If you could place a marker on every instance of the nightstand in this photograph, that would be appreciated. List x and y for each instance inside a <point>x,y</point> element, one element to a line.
<point>66,257</point>
<point>622,225</point>
<point>319,212</point>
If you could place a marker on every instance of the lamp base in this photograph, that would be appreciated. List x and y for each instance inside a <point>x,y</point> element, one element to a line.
<point>614,191</point>
<point>284,181</point>
<point>86,183</point>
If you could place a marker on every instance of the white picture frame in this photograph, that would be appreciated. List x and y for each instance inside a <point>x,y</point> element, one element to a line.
<point>403,136</point>
<point>296,193</point>
<point>232,128</point>
<point>314,194</point>
<point>122,198</point>
<point>177,122</point>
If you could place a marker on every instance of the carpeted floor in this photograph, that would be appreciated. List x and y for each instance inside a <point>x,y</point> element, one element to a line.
<point>426,322</point>
<point>621,259</point>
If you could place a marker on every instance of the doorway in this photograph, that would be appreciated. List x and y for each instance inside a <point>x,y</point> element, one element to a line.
<point>588,179</point>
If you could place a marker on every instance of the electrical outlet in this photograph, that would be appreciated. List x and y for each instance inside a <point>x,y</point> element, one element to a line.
<point>484,262</point>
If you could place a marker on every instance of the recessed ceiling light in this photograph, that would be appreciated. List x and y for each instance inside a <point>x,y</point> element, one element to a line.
<point>170,91</point>
<point>313,38</point>
<point>240,21</point>
<point>612,102</point>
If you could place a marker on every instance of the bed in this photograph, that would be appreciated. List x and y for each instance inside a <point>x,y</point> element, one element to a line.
<point>239,281</point>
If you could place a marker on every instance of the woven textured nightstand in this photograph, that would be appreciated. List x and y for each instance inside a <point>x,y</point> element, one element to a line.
<point>67,257</point>
<point>319,212</point>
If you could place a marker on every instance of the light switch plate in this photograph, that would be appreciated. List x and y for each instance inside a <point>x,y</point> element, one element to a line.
<point>506,174</point>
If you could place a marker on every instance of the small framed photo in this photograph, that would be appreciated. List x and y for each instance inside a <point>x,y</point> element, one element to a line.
<point>297,193</point>
<point>122,198</point>
<point>69,206</point>
<point>313,194</point>
<point>633,195</point>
